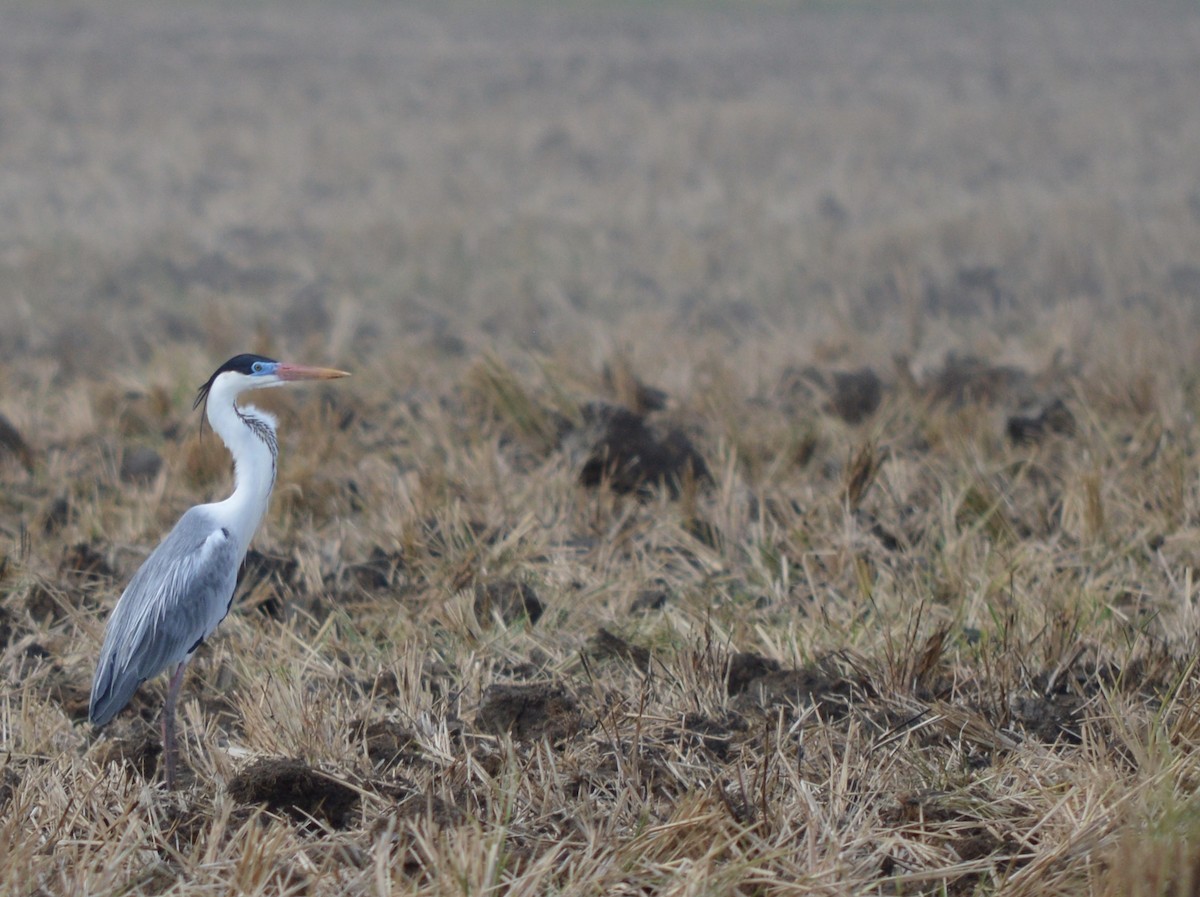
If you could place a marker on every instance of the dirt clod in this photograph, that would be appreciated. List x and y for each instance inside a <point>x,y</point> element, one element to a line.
<point>388,742</point>
<point>633,456</point>
<point>70,693</point>
<point>140,464</point>
<point>648,600</point>
<point>1036,423</point>
<point>759,682</point>
<point>7,626</point>
<point>9,782</point>
<point>85,561</point>
<point>46,604</point>
<point>605,644</point>
<point>259,567</point>
<point>57,515</point>
<point>380,571</point>
<point>296,789</point>
<point>799,688</point>
<point>265,581</point>
<point>508,599</point>
<point>966,379</point>
<point>530,712</point>
<point>13,444</point>
<point>1050,718</point>
<point>715,734</point>
<point>744,668</point>
<point>855,395</point>
<point>140,749</point>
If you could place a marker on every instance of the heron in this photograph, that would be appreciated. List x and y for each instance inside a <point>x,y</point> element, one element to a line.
<point>182,592</point>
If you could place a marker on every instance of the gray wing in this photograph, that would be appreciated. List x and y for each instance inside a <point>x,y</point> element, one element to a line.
<point>171,605</point>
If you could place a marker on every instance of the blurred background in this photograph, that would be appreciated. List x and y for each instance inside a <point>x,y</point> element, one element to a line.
<point>767,182</point>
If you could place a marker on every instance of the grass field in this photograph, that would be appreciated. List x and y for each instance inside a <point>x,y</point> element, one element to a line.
<point>770,464</point>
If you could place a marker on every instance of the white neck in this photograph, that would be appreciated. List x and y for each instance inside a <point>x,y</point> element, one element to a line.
<point>249,434</point>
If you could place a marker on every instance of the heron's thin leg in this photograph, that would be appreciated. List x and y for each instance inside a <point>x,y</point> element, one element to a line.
<point>168,725</point>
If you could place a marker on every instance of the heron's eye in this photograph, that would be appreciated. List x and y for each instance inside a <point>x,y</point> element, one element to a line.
<point>258,367</point>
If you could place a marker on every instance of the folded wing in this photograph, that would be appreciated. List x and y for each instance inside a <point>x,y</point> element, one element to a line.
<point>172,604</point>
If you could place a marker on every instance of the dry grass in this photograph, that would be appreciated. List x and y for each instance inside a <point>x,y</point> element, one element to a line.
<point>930,652</point>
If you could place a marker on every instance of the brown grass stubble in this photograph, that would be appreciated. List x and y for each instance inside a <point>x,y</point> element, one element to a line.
<point>957,674</point>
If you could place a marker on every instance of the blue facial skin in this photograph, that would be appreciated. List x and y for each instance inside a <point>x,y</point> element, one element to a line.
<point>250,365</point>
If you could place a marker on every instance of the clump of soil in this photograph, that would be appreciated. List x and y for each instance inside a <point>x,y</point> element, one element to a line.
<point>948,816</point>
<point>759,682</point>
<point>509,599</point>
<point>1050,718</point>
<point>57,515</point>
<point>744,668</point>
<point>648,600</point>
<point>85,561</point>
<point>140,749</point>
<point>714,734</point>
<point>1034,424</point>
<point>292,787</point>
<point>264,579</point>
<point>13,443</point>
<point>605,644</point>
<point>633,456</point>
<point>851,395</point>
<point>9,783</point>
<point>140,465</point>
<point>966,379</point>
<point>388,743</point>
<point>855,394</point>
<point>8,625</point>
<point>70,693</point>
<point>381,570</point>
<point>530,712</point>
<point>259,567</point>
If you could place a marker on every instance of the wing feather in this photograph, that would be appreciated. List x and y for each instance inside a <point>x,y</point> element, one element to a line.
<point>174,602</point>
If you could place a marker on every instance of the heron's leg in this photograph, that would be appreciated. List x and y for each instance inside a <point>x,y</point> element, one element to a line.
<point>168,725</point>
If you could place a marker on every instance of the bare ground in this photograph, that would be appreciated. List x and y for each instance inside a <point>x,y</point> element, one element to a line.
<point>770,464</point>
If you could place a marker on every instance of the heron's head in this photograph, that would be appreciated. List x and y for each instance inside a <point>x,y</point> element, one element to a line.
<point>245,372</point>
